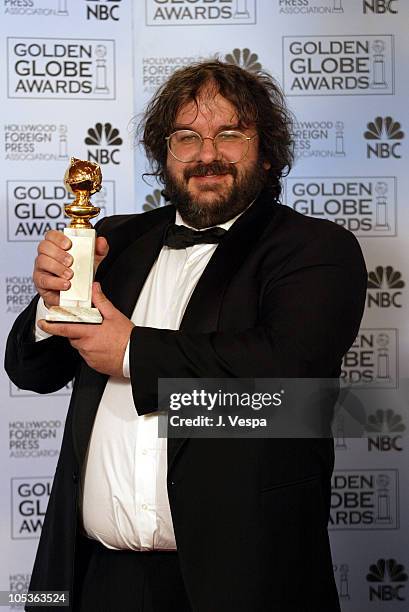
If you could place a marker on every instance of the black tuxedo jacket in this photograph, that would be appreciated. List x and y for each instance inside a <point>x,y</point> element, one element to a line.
<point>282,296</point>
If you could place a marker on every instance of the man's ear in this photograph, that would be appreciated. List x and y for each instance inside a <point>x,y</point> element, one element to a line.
<point>266,165</point>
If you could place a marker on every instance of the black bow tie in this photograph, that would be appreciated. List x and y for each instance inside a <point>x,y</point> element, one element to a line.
<point>180,236</point>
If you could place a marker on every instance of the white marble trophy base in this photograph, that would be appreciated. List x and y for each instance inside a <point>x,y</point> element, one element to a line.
<point>74,314</point>
<point>75,303</point>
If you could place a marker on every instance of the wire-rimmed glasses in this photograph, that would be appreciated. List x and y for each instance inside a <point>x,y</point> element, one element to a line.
<point>186,145</point>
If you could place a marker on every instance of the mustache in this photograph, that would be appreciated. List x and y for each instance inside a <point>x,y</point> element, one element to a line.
<point>216,167</point>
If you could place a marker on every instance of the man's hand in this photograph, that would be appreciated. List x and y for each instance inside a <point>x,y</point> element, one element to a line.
<point>52,272</point>
<point>101,346</point>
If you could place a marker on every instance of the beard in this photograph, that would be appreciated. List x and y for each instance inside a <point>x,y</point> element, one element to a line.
<point>220,207</point>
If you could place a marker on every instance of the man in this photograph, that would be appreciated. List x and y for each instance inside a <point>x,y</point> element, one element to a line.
<point>209,525</point>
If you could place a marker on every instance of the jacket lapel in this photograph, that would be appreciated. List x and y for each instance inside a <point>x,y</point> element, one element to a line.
<point>126,277</point>
<point>202,312</point>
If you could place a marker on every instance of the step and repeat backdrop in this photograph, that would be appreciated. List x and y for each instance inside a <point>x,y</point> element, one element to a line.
<point>75,76</point>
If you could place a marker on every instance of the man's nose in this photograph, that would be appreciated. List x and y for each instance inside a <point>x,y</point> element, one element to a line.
<point>208,151</point>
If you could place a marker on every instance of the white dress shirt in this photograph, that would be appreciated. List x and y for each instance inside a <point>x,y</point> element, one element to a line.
<point>124,497</point>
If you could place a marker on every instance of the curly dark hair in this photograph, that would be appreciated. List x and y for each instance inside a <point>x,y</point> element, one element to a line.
<point>258,101</point>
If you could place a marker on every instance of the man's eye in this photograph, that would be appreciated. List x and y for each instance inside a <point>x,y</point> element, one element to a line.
<point>188,139</point>
<point>226,137</point>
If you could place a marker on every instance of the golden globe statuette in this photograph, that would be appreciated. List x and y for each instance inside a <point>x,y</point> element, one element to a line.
<point>82,178</point>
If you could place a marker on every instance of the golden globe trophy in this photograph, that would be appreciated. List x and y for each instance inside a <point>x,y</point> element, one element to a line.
<point>82,178</point>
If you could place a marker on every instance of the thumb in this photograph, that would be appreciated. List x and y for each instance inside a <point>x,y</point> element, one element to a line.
<point>100,301</point>
<point>101,251</point>
<point>101,246</point>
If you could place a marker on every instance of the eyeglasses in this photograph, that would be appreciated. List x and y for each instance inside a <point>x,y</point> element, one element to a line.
<point>186,145</point>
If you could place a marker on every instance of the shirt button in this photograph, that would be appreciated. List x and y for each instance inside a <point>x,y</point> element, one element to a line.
<point>144,507</point>
<point>144,452</point>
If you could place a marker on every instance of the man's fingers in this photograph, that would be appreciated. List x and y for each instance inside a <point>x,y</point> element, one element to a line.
<point>72,331</point>
<point>101,246</point>
<point>49,282</point>
<point>55,252</point>
<point>52,266</point>
<point>105,307</point>
<point>51,298</point>
<point>101,251</point>
<point>58,238</point>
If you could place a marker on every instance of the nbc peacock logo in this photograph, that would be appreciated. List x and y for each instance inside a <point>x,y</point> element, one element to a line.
<point>104,140</point>
<point>385,421</point>
<point>386,427</point>
<point>384,135</point>
<point>384,284</point>
<point>387,580</point>
<point>154,200</point>
<point>244,58</point>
